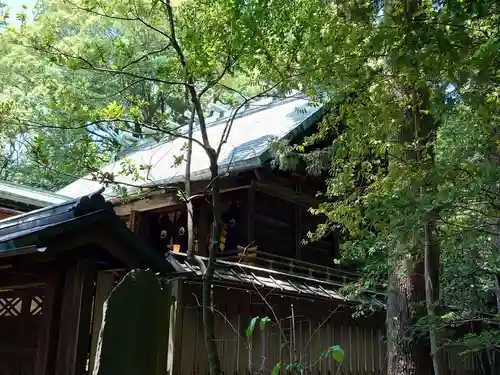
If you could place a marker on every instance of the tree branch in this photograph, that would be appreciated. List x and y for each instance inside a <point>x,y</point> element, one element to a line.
<point>91,66</point>
<point>145,56</point>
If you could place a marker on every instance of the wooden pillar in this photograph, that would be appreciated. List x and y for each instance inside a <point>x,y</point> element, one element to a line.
<point>140,224</point>
<point>76,310</point>
<point>251,214</point>
<point>175,332</point>
<point>104,286</point>
<point>47,339</point>
<point>134,221</point>
<point>298,231</point>
<point>204,225</point>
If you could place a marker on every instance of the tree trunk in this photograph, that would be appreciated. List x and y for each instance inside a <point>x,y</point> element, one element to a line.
<point>207,297</point>
<point>431,260</point>
<point>414,278</point>
<point>187,188</point>
<point>407,355</point>
<point>494,160</point>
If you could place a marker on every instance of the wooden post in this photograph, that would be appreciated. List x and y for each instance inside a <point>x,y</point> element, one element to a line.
<point>140,223</point>
<point>175,336</point>
<point>47,339</point>
<point>203,227</point>
<point>74,328</point>
<point>134,221</point>
<point>298,231</point>
<point>251,214</point>
<point>104,286</point>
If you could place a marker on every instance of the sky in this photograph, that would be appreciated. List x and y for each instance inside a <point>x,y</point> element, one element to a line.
<point>15,5</point>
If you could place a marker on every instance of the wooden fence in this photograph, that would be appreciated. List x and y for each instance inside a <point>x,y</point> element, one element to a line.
<point>305,330</point>
<point>315,326</point>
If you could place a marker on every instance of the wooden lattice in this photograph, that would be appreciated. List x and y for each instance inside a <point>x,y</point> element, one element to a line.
<point>10,306</point>
<point>13,305</point>
<point>36,306</point>
<point>20,322</point>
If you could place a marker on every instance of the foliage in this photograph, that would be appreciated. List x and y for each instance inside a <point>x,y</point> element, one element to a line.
<point>335,351</point>
<point>377,63</point>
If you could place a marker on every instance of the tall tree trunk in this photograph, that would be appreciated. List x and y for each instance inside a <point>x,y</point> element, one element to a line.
<point>207,296</point>
<point>414,277</point>
<point>407,355</point>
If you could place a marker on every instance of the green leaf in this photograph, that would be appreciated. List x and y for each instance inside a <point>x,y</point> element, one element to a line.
<point>251,328</point>
<point>296,366</point>
<point>263,322</point>
<point>337,353</point>
<point>276,369</point>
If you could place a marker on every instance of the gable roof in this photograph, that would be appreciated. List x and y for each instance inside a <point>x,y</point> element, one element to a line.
<point>32,231</point>
<point>22,198</point>
<point>246,147</point>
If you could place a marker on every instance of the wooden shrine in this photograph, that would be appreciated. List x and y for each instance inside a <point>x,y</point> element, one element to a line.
<point>58,264</point>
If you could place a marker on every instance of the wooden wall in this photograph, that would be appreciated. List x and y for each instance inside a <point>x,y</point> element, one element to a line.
<point>317,325</point>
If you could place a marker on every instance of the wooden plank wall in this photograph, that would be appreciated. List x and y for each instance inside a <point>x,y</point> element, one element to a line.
<point>318,325</point>
<point>304,339</point>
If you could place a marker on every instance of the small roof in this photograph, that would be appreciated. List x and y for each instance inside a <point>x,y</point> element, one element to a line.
<point>237,273</point>
<point>246,147</point>
<point>15,195</point>
<point>37,231</point>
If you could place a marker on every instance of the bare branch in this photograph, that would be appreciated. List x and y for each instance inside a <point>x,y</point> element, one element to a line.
<point>119,92</point>
<point>169,132</point>
<point>189,78</point>
<point>229,124</point>
<point>230,62</point>
<point>91,66</point>
<point>136,18</point>
<point>92,11</point>
<point>145,56</point>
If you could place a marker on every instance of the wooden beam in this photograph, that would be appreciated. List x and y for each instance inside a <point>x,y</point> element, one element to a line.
<point>147,204</point>
<point>104,286</point>
<point>10,280</point>
<point>160,202</point>
<point>115,248</point>
<point>271,222</point>
<point>287,194</point>
<point>74,328</point>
